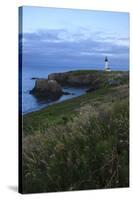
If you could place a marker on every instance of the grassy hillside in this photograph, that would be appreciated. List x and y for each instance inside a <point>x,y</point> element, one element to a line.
<point>81,143</point>
<point>36,122</point>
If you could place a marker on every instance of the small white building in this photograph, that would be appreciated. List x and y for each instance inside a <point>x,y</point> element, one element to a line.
<point>106,67</point>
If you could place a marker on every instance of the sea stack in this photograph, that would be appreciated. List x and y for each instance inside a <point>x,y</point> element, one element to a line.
<point>47,89</point>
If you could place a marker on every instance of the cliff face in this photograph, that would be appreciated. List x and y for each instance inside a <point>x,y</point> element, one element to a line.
<point>68,78</point>
<point>89,78</point>
<point>47,89</point>
<point>59,77</point>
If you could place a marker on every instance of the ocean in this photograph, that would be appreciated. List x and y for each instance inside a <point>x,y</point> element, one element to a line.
<point>29,102</point>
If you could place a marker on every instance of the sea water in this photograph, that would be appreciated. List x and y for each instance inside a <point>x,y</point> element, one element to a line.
<point>30,102</point>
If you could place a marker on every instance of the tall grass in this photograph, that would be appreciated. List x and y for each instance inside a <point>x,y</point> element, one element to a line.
<point>88,152</point>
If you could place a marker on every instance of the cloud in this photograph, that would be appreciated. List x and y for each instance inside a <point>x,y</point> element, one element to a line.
<point>44,35</point>
<point>60,47</point>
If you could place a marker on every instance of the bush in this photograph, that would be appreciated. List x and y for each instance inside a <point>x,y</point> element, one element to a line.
<point>89,152</point>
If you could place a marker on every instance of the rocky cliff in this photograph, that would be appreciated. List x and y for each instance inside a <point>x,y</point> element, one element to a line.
<point>92,79</point>
<point>48,89</point>
<point>89,78</point>
<point>69,78</point>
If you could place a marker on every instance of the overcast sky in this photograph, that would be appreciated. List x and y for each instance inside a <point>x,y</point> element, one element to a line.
<point>70,37</point>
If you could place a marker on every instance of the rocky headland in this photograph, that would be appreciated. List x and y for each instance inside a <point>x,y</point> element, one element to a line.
<point>51,88</point>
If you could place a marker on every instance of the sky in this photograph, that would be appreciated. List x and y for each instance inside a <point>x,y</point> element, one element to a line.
<point>71,37</point>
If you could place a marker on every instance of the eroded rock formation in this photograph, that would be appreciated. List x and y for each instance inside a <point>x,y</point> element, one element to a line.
<point>48,89</point>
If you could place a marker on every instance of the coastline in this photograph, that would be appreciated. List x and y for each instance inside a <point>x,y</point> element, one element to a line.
<point>76,92</point>
<point>65,98</point>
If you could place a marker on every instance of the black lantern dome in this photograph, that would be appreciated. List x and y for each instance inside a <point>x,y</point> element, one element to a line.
<point>106,59</point>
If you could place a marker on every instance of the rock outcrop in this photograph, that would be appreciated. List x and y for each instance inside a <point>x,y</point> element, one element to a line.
<point>69,79</point>
<point>59,77</point>
<point>47,89</point>
<point>34,78</point>
<point>114,82</point>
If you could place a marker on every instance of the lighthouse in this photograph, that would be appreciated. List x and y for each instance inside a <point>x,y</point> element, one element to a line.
<point>106,67</point>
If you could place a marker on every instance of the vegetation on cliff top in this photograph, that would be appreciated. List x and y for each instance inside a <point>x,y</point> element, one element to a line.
<point>95,78</point>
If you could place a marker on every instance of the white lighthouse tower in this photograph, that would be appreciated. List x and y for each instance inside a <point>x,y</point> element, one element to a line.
<point>106,67</point>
